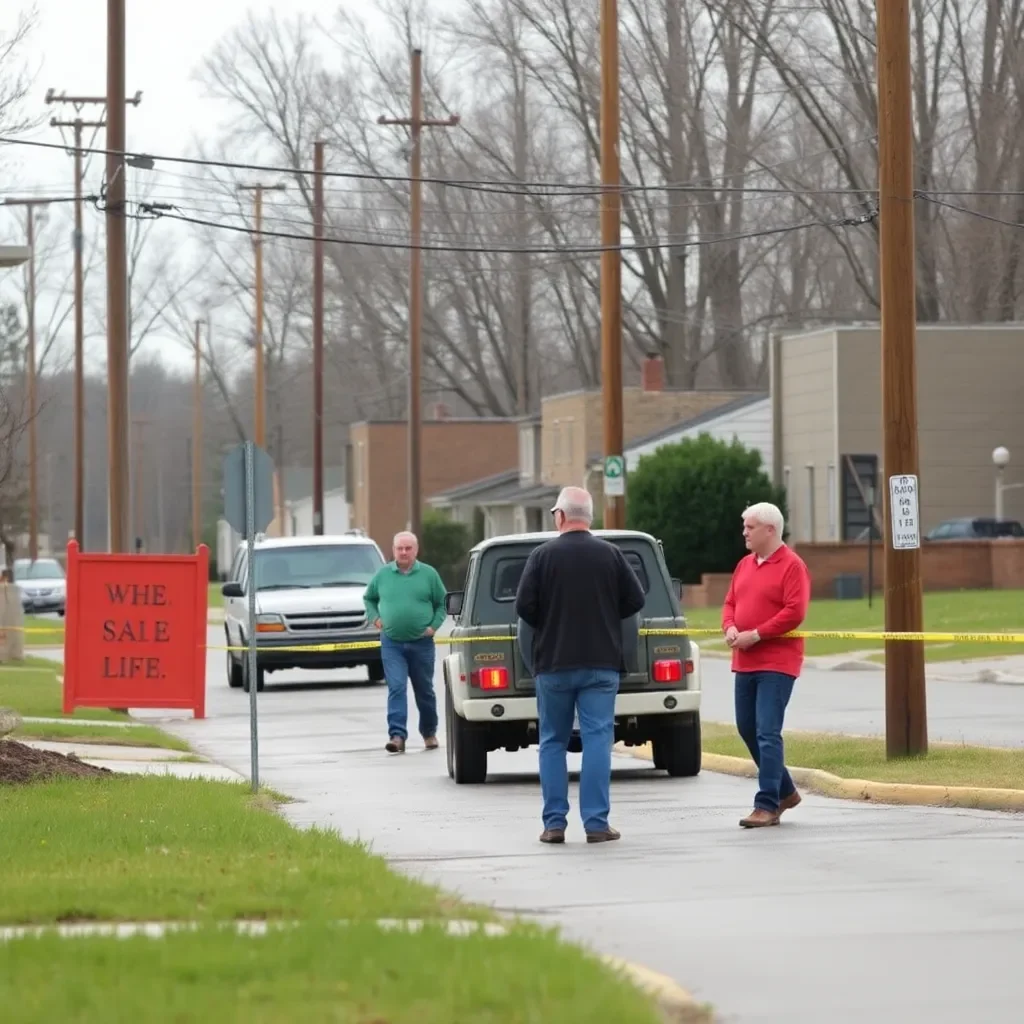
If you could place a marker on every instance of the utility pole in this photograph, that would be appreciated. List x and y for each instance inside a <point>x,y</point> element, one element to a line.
<point>259,385</point>
<point>523,290</point>
<point>139,423</point>
<point>906,722</point>
<point>197,444</point>
<point>78,125</point>
<point>611,257</point>
<point>30,374</point>
<point>416,123</point>
<point>318,338</point>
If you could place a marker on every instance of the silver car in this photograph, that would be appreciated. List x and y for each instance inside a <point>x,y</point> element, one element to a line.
<point>42,584</point>
<point>309,591</point>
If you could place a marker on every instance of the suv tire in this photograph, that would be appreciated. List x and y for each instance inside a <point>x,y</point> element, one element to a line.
<point>677,746</point>
<point>234,671</point>
<point>466,746</point>
<point>260,677</point>
<point>375,671</point>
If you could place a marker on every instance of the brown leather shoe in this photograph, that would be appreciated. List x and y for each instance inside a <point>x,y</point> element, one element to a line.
<point>395,745</point>
<point>553,835</point>
<point>609,835</point>
<point>430,743</point>
<point>759,818</point>
<point>789,802</point>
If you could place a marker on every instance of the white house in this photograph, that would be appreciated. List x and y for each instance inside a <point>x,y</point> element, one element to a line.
<point>337,514</point>
<point>748,420</point>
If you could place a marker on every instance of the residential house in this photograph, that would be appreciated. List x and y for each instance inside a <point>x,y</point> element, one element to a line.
<point>336,514</point>
<point>827,424</point>
<point>454,451</point>
<point>563,446</point>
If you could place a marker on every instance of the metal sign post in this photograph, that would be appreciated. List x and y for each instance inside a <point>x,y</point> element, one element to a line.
<point>249,508</point>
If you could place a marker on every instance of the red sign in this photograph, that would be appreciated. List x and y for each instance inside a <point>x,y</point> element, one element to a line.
<point>136,631</point>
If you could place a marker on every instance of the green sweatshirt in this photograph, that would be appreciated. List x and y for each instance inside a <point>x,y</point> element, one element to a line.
<point>407,603</point>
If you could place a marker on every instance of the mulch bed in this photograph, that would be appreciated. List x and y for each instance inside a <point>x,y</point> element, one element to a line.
<point>20,764</point>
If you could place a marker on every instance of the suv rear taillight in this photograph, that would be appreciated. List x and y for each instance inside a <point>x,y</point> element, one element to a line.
<point>490,678</point>
<point>670,670</point>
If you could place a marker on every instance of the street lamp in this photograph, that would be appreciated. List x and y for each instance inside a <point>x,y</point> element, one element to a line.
<point>1001,459</point>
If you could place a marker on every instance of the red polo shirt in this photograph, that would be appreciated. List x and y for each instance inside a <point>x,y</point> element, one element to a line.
<point>771,597</point>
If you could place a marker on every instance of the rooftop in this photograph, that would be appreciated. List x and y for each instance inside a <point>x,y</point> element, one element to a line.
<point>13,255</point>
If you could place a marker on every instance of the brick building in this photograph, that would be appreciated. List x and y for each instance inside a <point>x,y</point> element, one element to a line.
<point>454,451</point>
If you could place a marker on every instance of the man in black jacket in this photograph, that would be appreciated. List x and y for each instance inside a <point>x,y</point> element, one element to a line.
<point>574,592</point>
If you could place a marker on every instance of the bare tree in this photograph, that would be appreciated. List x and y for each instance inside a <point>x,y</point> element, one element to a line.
<point>16,78</point>
<point>13,424</point>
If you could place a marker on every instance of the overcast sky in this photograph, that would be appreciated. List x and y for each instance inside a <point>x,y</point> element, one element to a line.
<point>165,44</point>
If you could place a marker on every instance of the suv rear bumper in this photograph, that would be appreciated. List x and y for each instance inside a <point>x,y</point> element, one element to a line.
<point>276,652</point>
<point>627,705</point>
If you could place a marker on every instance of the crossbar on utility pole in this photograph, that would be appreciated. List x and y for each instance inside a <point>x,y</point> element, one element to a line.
<point>78,125</point>
<point>30,373</point>
<point>259,375</point>
<point>416,123</point>
<point>318,338</point>
<point>611,257</point>
<point>906,723</point>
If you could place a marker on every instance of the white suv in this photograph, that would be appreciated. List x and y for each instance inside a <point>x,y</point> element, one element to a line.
<point>309,590</point>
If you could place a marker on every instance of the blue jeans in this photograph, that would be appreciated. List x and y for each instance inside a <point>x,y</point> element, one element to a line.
<point>761,699</point>
<point>405,662</point>
<point>560,696</point>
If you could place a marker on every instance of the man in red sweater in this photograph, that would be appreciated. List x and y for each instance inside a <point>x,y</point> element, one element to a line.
<point>767,598</point>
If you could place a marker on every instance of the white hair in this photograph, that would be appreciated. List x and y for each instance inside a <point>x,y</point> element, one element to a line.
<point>576,504</point>
<point>768,514</point>
<point>405,533</point>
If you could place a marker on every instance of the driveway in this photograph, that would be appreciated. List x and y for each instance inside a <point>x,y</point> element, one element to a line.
<point>847,913</point>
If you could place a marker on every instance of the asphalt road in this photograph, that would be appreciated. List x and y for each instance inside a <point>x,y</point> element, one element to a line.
<point>847,913</point>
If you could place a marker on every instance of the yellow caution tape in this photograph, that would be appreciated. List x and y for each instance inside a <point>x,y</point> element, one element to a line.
<point>808,634</point>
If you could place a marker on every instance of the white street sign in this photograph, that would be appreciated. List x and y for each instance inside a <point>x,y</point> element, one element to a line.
<point>904,513</point>
<point>614,476</point>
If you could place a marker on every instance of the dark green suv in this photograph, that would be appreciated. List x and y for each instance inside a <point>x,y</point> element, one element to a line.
<point>490,701</point>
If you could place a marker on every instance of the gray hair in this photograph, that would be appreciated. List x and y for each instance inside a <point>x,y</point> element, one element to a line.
<point>576,504</point>
<point>405,533</point>
<point>768,514</point>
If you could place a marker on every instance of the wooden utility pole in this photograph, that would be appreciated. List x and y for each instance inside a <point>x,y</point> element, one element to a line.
<point>906,723</point>
<point>416,123</point>
<point>139,423</point>
<point>30,373</point>
<point>117,286</point>
<point>318,338</point>
<point>523,289</point>
<point>611,257</point>
<point>259,385</point>
<point>197,443</point>
<point>78,125</point>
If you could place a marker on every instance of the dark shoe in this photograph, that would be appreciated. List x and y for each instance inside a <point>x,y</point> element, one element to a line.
<point>430,743</point>
<point>609,835</point>
<point>760,818</point>
<point>787,803</point>
<point>395,745</point>
<point>553,835</point>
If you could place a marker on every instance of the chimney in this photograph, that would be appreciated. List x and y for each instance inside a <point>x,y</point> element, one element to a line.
<point>652,374</point>
<point>439,411</point>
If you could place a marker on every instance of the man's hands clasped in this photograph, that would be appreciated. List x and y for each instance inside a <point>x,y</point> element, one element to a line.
<point>743,640</point>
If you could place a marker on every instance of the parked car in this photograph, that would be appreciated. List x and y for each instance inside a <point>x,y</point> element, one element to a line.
<point>490,698</point>
<point>42,584</point>
<point>309,590</point>
<point>975,528</point>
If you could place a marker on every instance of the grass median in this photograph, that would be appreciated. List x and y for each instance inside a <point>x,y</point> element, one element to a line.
<point>42,632</point>
<point>960,611</point>
<point>32,689</point>
<point>850,757</point>
<point>154,848</point>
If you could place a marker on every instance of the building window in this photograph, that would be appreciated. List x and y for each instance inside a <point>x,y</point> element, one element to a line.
<point>832,526</point>
<point>359,465</point>
<point>526,457</point>
<point>809,531</point>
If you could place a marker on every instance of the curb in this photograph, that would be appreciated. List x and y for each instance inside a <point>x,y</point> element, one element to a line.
<point>824,783</point>
<point>679,1005</point>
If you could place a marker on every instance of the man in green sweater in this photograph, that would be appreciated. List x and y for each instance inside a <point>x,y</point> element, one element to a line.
<point>405,601</point>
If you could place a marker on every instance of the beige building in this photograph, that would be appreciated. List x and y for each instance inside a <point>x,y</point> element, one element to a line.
<point>827,424</point>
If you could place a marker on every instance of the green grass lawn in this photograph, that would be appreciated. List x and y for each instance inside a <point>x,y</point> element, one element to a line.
<point>961,611</point>
<point>154,848</point>
<point>82,733</point>
<point>42,632</point>
<point>30,687</point>
<point>945,764</point>
<point>216,598</point>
